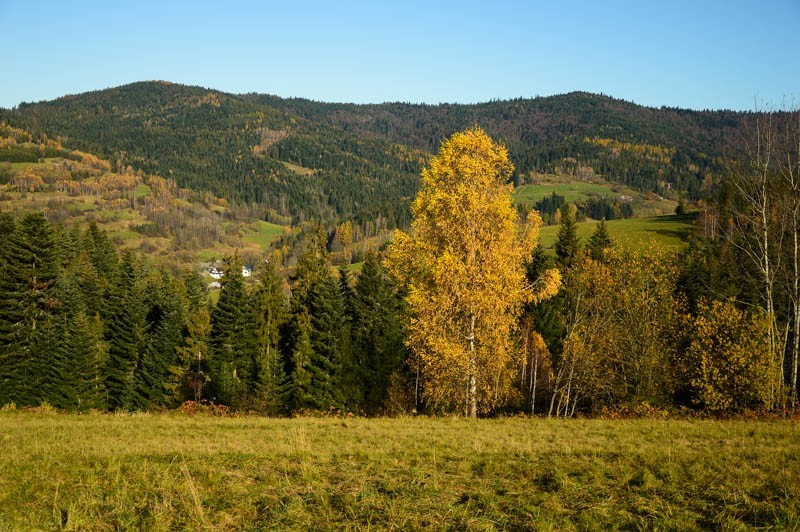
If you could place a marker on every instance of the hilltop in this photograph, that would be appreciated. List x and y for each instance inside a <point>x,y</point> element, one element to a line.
<point>300,160</point>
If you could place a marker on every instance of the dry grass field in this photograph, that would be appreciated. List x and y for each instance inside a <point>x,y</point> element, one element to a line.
<point>170,471</point>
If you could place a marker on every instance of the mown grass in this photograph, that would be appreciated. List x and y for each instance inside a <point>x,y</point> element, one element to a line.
<point>301,170</point>
<point>571,190</point>
<point>164,472</point>
<point>667,232</point>
<point>264,234</point>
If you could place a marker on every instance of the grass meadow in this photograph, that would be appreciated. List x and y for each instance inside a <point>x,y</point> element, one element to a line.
<point>157,472</point>
<point>665,232</point>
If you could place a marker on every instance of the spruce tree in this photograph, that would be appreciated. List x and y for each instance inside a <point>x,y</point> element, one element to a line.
<point>165,321</point>
<point>299,391</point>
<point>270,314</point>
<point>10,312</point>
<point>125,333</point>
<point>28,304</point>
<point>567,243</point>
<point>316,295</point>
<point>377,335</point>
<point>326,308</point>
<point>600,242</point>
<point>190,374</point>
<point>232,339</point>
<point>89,353</point>
<point>349,381</point>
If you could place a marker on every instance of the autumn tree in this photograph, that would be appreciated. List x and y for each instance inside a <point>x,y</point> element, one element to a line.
<point>731,366</point>
<point>464,265</point>
<point>618,316</point>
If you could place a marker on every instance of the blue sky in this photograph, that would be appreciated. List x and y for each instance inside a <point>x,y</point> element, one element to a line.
<point>693,54</point>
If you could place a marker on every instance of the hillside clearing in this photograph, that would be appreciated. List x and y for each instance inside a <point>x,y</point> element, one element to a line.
<point>170,471</point>
<point>669,232</point>
<point>576,190</point>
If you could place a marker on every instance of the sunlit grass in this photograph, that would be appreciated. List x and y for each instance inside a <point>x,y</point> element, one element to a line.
<point>572,191</point>
<point>159,471</point>
<point>666,232</point>
<point>264,234</point>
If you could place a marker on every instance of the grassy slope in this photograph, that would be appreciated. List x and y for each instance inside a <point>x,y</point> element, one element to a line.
<point>103,472</point>
<point>580,190</point>
<point>264,234</point>
<point>571,190</point>
<point>257,236</point>
<point>667,232</point>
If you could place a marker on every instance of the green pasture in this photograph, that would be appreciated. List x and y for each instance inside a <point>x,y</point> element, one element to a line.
<point>667,232</point>
<point>174,472</point>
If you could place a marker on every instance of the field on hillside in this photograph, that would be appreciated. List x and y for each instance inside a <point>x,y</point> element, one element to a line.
<point>643,204</point>
<point>667,232</point>
<point>171,471</point>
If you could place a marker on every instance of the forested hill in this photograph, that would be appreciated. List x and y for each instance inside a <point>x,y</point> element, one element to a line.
<point>244,151</point>
<point>639,146</point>
<point>332,161</point>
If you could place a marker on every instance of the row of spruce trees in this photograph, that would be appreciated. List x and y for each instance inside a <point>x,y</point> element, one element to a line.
<point>85,327</point>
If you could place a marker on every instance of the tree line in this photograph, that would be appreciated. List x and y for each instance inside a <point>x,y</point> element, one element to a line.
<point>472,317</point>
<point>83,326</point>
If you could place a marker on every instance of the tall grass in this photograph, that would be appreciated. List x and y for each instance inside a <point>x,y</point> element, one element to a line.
<point>165,472</point>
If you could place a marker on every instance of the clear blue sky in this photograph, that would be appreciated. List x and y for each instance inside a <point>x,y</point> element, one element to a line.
<point>694,54</point>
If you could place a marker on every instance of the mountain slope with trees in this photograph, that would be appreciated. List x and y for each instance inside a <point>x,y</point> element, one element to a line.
<point>331,162</point>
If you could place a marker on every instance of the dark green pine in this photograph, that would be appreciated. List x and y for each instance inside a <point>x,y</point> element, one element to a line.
<point>232,339</point>
<point>326,308</point>
<point>378,345</point>
<point>567,244</point>
<point>165,322</point>
<point>298,393</point>
<point>90,353</point>
<point>125,329</point>
<point>600,242</point>
<point>28,305</point>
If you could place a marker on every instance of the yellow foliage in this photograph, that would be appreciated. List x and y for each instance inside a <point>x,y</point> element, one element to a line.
<point>729,355</point>
<point>463,263</point>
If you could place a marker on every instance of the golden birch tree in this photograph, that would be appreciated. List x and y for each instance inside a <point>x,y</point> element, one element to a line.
<point>463,263</point>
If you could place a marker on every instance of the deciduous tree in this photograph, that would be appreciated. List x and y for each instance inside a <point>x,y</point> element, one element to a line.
<point>464,265</point>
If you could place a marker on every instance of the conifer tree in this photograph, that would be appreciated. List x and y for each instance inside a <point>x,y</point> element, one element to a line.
<point>600,242</point>
<point>567,244</point>
<point>165,321</point>
<point>10,312</point>
<point>299,392</point>
<point>232,339</point>
<point>316,295</point>
<point>125,332</point>
<point>89,353</point>
<point>349,380</point>
<point>270,313</point>
<point>191,373</point>
<point>377,335</point>
<point>27,302</point>
<point>326,309</point>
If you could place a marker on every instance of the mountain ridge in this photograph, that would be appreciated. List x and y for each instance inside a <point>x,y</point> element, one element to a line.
<point>334,161</point>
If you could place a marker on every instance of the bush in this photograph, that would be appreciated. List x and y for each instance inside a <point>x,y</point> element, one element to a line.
<point>729,359</point>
